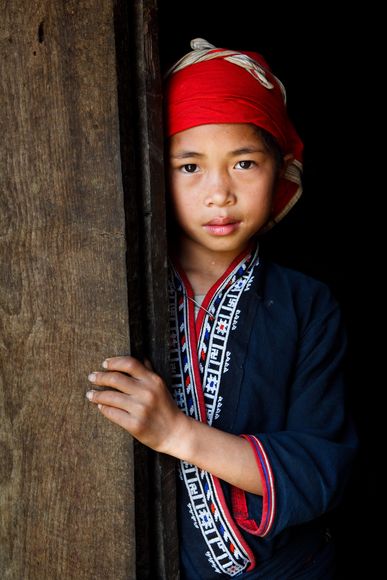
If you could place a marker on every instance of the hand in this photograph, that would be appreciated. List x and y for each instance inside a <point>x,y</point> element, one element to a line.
<point>141,403</point>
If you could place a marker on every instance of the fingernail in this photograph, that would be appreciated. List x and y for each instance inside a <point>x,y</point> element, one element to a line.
<point>105,364</point>
<point>99,406</point>
<point>90,395</point>
<point>92,377</point>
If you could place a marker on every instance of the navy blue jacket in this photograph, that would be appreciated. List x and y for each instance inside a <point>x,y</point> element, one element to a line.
<point>282,389</point>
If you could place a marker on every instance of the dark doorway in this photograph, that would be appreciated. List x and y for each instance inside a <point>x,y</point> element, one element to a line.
<point>319,56</point>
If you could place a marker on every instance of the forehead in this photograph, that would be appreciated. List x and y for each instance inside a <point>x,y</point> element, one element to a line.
<point>223,135</point>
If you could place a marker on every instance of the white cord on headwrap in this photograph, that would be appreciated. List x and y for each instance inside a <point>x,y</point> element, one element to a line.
<point>203,50</point>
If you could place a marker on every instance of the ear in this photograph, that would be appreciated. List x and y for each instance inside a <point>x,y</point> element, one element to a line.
<point>288,158</point>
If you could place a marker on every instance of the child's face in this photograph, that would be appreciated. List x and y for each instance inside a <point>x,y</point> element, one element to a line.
<point>221,182</point>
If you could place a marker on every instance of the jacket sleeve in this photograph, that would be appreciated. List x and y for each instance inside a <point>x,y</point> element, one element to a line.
<point>304,467</point>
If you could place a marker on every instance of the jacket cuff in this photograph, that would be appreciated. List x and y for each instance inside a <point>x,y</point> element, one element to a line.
<point>238,496</point>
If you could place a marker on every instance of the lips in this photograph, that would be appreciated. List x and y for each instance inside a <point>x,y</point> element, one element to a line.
<point>222,226</point>
<point>221,221</point>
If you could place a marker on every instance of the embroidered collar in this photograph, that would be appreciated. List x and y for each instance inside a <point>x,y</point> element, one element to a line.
<point>200,359</point>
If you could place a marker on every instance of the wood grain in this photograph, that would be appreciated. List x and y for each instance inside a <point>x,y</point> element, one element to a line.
<point>66,474</point>
<point>164,537</point>
<point>141,131</point>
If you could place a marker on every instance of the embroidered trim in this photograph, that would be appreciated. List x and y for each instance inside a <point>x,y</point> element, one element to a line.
<point>214,358</point>
<point>191,368</point>
<point>225,548</point>
<point>238,496</point>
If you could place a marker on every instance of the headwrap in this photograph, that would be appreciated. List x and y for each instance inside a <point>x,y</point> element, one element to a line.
<point>215,85</point>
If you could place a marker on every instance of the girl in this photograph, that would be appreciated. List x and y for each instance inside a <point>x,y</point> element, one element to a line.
<point>257,417</point>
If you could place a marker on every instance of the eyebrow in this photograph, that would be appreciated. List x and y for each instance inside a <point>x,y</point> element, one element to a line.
<point>251,149</point>
<point>186,154</point>
<point>235,153</point>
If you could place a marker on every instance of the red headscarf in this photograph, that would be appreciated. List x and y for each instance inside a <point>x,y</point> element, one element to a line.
<point>213,85</point>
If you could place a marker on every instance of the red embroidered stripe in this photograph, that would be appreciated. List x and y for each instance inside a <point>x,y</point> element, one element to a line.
<point>238,496</point>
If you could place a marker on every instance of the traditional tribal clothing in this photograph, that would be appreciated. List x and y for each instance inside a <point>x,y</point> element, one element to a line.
<point>262,360</point>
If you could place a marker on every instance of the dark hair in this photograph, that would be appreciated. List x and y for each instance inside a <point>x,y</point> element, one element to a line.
<point>271,144</point>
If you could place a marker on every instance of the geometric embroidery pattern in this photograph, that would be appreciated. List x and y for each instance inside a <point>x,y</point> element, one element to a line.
<point>196,377</point>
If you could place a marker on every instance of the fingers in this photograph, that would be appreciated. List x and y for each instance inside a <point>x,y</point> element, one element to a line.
<point>109,398</point>
<point>139,402</point>
<point>126,364</point>
<point>120,417</point>
<point>131,396</point>
<point>125,374</point>
<point>114,380</point>
<point>133,415</point>
<point>122,373</point>
<point>116,415</point>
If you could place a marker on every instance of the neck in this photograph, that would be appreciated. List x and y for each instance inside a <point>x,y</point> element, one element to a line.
<point>203,266</point>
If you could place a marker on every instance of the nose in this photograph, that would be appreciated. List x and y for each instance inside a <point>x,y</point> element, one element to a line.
<point>219,190</point>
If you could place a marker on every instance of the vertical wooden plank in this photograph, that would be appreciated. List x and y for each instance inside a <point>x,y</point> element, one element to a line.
<point>149,95</point>
<point>137,27</point>
<point>66,474</point>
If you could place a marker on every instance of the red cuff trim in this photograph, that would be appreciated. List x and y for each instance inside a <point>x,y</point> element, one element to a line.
<point>238,496</point>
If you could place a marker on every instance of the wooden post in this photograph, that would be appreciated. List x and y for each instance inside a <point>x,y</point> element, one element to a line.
<point>67,475</point>
<point>163,536</point>
<point>142,131</point>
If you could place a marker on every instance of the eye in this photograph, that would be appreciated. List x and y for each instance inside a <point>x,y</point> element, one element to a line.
<point>189,168</point>
<point>244,164</point>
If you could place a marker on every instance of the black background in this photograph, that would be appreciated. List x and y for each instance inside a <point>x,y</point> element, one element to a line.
<point>326,60</point>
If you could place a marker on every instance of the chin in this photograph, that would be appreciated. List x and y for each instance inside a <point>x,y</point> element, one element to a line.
<point>228,246</point>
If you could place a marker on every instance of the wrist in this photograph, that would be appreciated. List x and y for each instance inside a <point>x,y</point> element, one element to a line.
<point>177,444</point>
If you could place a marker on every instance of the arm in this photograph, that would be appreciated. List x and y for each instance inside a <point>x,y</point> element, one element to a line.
<point>143,406</point>
<point>310,455</point>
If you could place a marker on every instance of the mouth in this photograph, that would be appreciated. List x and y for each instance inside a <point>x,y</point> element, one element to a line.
<point>222,226</point>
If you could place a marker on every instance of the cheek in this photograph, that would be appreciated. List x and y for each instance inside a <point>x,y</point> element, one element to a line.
<point>181,196</point>
<point>259,198</point>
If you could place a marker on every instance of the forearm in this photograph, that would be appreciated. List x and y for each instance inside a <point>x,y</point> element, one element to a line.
<point>226,456</point>
<point>141,404</point>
